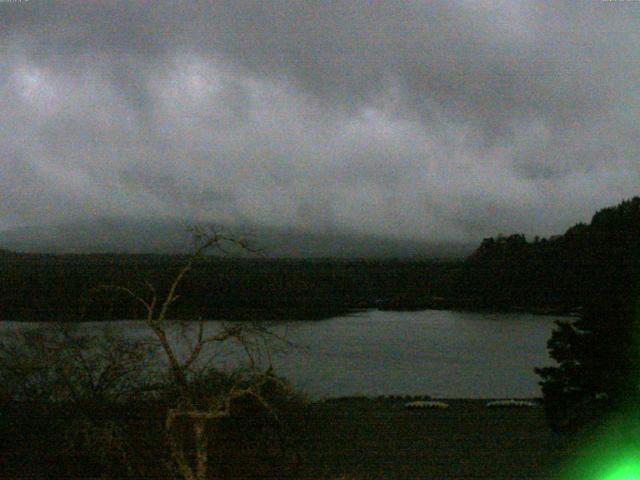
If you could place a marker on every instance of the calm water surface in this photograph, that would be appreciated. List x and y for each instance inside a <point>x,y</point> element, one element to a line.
<point>439,353</point>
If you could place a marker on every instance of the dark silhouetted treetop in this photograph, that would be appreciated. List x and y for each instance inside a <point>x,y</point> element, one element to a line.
<point>562,272</point>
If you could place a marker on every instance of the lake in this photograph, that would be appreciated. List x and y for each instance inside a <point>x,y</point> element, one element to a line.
<point>445,354</point>
<point>439,353</point>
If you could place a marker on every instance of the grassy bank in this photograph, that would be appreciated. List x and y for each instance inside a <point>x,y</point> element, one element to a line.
<point>360,438</point>
<point>380,438</point>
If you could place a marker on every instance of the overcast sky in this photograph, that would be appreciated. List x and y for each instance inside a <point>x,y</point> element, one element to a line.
<point>432,120</point>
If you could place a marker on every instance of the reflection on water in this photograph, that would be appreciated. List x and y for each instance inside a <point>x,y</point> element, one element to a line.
<point>439,353</point>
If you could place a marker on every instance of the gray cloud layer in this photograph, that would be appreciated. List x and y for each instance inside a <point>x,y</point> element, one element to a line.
<point>429,120</point>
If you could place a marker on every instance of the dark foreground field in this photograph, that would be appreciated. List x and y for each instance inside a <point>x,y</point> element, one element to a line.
<point>373,439</point>
<point>355,438</point>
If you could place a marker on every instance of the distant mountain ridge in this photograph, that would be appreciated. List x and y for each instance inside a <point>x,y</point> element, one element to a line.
<point>166,236</point>
<point>556,275</point>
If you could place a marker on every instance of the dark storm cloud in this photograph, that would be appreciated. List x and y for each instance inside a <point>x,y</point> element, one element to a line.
<point>417,119</point>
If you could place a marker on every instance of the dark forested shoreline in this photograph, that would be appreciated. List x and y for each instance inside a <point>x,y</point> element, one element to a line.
<point>508,273</point>
<point>57,287</point>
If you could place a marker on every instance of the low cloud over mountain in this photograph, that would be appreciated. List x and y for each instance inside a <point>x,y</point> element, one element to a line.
<point>420,121</point>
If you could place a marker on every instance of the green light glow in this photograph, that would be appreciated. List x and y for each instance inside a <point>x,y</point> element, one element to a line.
<point>611,451</point>
<point>626,470</point>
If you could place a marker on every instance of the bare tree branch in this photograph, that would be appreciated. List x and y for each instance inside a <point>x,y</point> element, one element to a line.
<point>250,337</point>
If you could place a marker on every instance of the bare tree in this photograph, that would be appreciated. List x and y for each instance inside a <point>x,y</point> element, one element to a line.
<point>88,388</point>
<point>202,410</point>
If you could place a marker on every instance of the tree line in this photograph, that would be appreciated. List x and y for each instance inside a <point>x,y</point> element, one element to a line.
<point>597,371</point>
<point>561,273</point>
